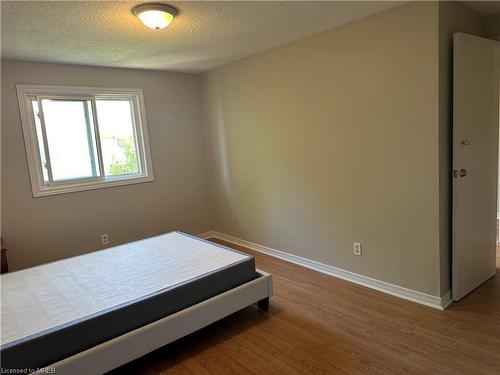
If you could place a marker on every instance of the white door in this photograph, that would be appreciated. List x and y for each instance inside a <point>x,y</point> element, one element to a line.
<point>475,153</point>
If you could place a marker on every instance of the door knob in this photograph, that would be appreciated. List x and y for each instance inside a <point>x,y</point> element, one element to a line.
<point>462,173</point>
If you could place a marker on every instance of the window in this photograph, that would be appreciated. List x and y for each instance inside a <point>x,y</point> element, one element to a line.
<point>80,138</point>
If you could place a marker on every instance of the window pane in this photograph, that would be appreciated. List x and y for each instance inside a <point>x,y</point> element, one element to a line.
<point>116,129</point>
<point>39,136</point>
<point>69,129</point>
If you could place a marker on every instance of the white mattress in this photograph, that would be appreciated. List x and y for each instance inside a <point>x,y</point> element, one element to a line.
<point>46,296</point>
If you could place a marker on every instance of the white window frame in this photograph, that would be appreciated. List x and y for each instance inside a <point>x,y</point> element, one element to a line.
<point>25,93</point>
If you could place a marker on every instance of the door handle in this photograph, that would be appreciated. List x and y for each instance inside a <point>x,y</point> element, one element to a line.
<point>461,173</point>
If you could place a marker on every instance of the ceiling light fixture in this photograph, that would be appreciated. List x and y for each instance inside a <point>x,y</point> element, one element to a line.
<point>155,16</point>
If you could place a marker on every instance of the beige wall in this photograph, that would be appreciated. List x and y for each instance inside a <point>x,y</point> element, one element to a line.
<point>335,139</point>
<point>492,26</point>
<point>42,229</point>
<point>492,30</point>
<point>453,17</point>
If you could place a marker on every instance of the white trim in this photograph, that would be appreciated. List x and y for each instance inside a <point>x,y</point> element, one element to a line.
<point>435,302</point>
<point>141,137</point>
<point>446,300</point>
<point>134,344</point>
<point>90,185</point>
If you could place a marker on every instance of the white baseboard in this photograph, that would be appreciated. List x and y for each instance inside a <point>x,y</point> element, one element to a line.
<point>435,302</point>
<point>446,300</point>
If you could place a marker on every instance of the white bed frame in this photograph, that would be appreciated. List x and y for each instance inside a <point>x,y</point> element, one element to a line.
<point>134,344</point>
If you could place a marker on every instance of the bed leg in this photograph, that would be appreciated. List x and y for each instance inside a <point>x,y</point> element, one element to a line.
<point>264,304</point>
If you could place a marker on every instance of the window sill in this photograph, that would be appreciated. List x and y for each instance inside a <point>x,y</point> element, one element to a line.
<point>91,185</point>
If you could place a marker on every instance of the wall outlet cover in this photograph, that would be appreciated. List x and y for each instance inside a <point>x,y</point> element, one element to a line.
<point>356,248</point>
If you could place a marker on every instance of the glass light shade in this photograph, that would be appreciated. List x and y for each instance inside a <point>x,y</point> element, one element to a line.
<point>155,19</point>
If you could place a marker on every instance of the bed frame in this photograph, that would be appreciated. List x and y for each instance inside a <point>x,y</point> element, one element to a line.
<point>136,343</point>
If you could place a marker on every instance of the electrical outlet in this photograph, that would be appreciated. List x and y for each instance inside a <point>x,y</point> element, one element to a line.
<point>356,248</point>
<point>235,219</point>
<point>104,239</point>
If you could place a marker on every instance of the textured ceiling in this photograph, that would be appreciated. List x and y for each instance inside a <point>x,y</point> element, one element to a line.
<point>484,8</point>
<point>203,35</point>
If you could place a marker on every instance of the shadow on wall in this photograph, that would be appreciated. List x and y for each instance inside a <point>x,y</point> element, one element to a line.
<point>267,209</point>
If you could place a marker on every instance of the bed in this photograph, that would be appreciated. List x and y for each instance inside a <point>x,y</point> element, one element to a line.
<point>95,312</point>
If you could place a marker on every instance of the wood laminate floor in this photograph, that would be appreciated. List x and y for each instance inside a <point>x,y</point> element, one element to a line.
<point>318,324</point>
